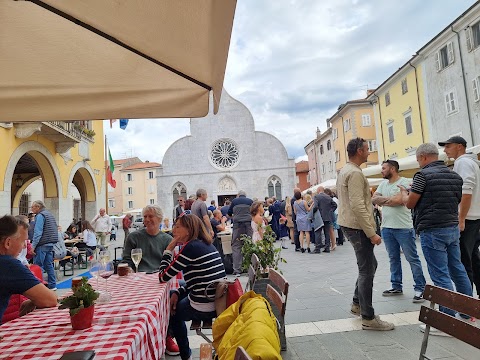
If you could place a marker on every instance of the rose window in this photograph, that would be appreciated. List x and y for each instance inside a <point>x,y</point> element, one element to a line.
<point>224,154</point>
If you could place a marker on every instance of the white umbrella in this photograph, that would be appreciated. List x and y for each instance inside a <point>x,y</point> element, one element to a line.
<point>110,59</point>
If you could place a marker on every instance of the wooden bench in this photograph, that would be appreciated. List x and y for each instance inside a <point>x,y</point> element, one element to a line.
<point>459,329</point>
<point>277,296</point>
<point>69,260</point>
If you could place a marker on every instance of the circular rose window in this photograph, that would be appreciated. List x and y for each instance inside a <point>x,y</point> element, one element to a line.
<point>224,154</point>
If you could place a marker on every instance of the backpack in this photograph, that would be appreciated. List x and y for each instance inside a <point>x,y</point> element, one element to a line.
<point>59,249</point>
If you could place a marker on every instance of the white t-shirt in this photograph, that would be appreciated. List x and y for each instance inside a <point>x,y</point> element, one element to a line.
<point>89,238</point>
<point>395,217</point>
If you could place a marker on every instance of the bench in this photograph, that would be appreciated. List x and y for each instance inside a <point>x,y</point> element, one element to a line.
<point>69,260</point>
<point>459,329</point>
<point>277,296</point>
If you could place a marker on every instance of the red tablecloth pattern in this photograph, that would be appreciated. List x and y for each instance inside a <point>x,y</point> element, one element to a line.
<point>132,326</point>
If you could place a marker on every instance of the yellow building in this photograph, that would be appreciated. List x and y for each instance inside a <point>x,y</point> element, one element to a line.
<point>399,111</point>
<point>353,119</point>
<point>60,153</point>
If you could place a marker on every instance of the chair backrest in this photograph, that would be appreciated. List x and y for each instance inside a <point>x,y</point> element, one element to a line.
<point>278,298</point>
<point>241,354</point>
<point>255,262</point>
<point>252,276</point>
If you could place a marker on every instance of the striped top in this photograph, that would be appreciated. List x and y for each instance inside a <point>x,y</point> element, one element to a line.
<point>201,264</point>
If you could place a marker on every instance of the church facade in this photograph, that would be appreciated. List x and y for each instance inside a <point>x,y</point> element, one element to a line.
<point>224,154</point>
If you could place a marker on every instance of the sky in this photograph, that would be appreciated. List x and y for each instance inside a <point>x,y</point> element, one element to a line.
<point>293,62</point>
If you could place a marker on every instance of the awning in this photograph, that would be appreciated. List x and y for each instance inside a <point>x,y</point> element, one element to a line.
<point>110,59</point>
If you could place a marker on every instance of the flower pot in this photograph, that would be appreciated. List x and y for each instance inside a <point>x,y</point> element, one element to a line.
<point>83,319</point>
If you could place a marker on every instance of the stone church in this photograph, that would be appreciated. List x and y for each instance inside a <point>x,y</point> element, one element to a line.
<point>224,154</point>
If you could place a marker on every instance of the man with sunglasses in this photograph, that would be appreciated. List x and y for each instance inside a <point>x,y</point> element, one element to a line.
<point>397,231</point>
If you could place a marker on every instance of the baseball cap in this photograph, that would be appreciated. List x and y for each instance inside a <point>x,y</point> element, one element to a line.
<point>454,140</point>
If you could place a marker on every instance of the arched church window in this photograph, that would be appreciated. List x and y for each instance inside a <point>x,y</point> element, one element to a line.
<point>179,189</point>
<point>275,187</point>
<point>224,154</point>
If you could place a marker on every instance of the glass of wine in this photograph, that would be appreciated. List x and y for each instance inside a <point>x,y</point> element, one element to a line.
<point>95,271</point>
<point>136,258</point>
<point>104,256</point>
<point>105,273</point>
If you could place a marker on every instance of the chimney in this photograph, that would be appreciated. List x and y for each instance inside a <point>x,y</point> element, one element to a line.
<point>318,132</point>
<point>370,91</point>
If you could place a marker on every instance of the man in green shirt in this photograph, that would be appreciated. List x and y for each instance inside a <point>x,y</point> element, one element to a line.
<point>397,231</point>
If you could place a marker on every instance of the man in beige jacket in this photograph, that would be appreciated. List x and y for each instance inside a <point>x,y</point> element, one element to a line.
<point>355,216</point>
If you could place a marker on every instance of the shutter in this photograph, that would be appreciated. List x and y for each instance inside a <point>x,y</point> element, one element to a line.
<point>451,54</point>
<point>438,65</point>
<point>476,92</point>
<point>468,34</point>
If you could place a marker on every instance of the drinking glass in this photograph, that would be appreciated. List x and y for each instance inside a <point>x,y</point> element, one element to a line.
<point>104,256</point>
<point>136,258</point>
<point>95,271</point>
<point>105,273</point>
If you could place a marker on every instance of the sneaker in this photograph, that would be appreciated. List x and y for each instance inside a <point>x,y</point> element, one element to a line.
<point>418,298</point>
<point>377,324</point>
<point>434,331</point>
<point>171,347</point>
<point>470,320</point>
<point>392,292</point>
<point>54,289</point>
<point>355,309</point>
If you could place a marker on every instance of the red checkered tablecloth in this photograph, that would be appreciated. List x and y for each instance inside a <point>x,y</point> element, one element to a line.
<point>132,326</point>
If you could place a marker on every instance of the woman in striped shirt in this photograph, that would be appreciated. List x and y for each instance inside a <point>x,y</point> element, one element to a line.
<point>201,265</point>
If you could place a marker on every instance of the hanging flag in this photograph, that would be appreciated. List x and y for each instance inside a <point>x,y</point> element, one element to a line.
<point>123,123</point>
<point>110,170</point>
<point>112,121</point>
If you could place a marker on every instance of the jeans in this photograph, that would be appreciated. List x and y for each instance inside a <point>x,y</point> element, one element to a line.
<point>441,248</point>
<point>238,230</point>
<point>469,253</point>
<point>395,239</point>
<point>44,259</point>
<point>185,312</point>
<point>367,265</point>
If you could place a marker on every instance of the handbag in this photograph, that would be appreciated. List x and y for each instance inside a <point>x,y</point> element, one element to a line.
<point>227,292</point>
<point>234,292</point>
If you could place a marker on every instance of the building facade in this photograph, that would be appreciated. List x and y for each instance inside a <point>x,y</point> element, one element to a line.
<point>302,175</point>
<point>224,154</point>
<point>321,157</point>
<point>60,154</point>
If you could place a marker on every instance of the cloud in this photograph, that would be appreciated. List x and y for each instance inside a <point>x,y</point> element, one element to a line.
<point>293,62</point>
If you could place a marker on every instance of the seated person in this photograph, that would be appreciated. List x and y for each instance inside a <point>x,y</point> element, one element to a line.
<point>165,226</point>
<point>89,239</point>
<point>201,264</point>
<point>15,277</point>
<point>218,224</point>
<point>72,232</point>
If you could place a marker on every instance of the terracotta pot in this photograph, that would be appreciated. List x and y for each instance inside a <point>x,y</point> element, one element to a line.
<point>83,319</point>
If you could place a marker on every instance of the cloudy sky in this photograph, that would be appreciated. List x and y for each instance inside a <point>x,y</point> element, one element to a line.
<point>292,62</point>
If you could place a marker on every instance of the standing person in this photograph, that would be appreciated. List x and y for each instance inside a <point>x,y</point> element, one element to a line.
<point>288,215</point>
<point>397,231</point>
<point>296,237</point>
<point>468,167</point>
<point>224,208</point>
<point>325,204</point>
<point>275,211</point>
<point>45,236</point>
<point>212,206</point>
<point>31,225</point>
<point>199,208</point>
<point>339,238</point>
<point>258,223</point>
<point>126,224</point>
<point>355,216</point>
<point>436,187</point>
<point>240,212</point>
<point>179,209</point>
<point>102,225</point>
<point>301,209</point>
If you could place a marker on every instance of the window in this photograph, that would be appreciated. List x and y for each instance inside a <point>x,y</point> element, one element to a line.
<point>130,204</point>
<point>408,124</point>
<point>366,121</point>
<point>23,207</point>
<point>451,102</point>
<point>473,36</point>
<point>330,165</point>
<point>329,145</point>
<point>129,177</point>
<point>321,149</point>
<point>323,168</point>
<point>152,201</point>
<point>346,125</point>
<point>337,156</point>
<point>387,99</point>
<point>335,133</point>
<point>111,203</point>
<point>308,176</point>
<point>391,135</point>
<point>275,188</point>
<point>150,174</point>
<point>130,191</point>
<point>404,86</point>
<point>372,145</point>
<point>476,88</point>
<point>444,57</point>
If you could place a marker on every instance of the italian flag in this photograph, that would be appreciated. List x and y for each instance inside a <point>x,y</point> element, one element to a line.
<point>110,170</point>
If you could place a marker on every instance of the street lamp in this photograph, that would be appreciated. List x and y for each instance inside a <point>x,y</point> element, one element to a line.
<point>19,181</point>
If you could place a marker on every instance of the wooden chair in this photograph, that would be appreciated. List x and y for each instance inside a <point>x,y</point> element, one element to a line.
<point>277,296</point>
<point>252,272</point>
<point>463,331</point>
<point>241,354</point>
<point>255,262</point>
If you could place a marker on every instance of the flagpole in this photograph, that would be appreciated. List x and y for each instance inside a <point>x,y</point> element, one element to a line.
<point>106,182</point>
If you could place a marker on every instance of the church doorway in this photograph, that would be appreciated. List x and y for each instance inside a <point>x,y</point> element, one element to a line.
<point>223,198</point>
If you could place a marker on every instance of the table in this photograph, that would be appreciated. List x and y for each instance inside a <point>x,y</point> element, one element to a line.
<point>226,240</point>
<point>72,241</point>
<point>132,326</point>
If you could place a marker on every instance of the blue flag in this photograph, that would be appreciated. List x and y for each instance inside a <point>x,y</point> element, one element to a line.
<point>123,123</point>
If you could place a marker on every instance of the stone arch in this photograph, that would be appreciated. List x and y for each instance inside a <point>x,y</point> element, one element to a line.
<point>227,184</point>
<point>178,189</point>
<point>82,177</point>
<point>52,186</point>
<point>274,187</point>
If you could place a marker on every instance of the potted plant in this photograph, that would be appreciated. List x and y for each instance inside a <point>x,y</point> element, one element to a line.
<point>81,304</point>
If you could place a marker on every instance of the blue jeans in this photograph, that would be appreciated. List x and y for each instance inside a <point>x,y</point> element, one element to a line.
<point>441,248</point>
<point>185,312</point>
<point>44,259</point>
<point>404,238</point>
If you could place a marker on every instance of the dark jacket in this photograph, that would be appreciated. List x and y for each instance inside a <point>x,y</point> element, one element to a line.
<point>438,204</point>
<point>240,209</point>
<point>50,231</point>
<point>326,205</point>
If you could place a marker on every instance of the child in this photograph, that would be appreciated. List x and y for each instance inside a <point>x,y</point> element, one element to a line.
<point>283,231</point>
<point>113,233</point>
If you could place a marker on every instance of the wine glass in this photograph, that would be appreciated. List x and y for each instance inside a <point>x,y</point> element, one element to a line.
<point>104,256</point>
<point>136,258</point>
<point>95,271</point>
<point>105,273</point>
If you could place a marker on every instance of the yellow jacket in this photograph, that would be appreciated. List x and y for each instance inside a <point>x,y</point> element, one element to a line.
<point>249,323</point>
